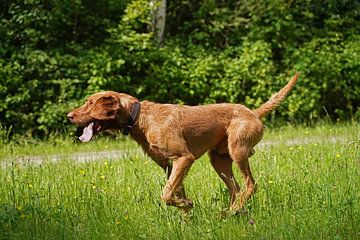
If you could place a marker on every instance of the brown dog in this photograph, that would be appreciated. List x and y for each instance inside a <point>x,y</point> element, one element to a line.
<point>175,136</point>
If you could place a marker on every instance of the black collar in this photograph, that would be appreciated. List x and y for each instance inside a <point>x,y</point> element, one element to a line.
<point>132,118</point>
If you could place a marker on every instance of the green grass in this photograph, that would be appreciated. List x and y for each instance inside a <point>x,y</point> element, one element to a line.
<point>307,190</point>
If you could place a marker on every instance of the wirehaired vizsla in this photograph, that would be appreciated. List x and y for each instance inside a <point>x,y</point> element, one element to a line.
<point>174,136</point>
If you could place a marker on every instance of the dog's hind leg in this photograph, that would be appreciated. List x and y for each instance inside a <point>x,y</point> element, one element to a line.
<point>242,163</point>
<point>222,164</point>
<point>243,136</point>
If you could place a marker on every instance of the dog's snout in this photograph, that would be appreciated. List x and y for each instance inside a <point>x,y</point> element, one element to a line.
<point>70,115</point>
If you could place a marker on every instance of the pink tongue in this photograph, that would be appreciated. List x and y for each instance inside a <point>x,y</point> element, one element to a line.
<point>87,133</point>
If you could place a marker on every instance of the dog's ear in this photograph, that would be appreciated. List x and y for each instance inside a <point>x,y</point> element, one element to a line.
<point>126,102</point>
<point>105,108</point>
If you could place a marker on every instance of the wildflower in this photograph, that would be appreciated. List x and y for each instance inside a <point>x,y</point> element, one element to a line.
<point>102,177</point>
<point>82,172</point>
<point>306,132</point>
<point>117,221</point>
<point>299,147</point>
<point>251,222</point>
<point>30,185</point>
<point>337,155</point>
<point>291,148</point>
<point>93,186</point>
<point>270,181</point>
<point>106,147</point>
<point>106,163</point>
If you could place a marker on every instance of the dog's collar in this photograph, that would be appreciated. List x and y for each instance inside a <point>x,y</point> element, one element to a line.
<point>132,118</point>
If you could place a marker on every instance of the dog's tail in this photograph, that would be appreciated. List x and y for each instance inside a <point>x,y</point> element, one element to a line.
<point>276,99</point>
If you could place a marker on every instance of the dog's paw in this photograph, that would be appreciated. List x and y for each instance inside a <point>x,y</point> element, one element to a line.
<point>229,212</point>
<point>185,203</point>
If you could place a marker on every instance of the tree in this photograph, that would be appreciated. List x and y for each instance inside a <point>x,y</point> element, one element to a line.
<point>158,20</point>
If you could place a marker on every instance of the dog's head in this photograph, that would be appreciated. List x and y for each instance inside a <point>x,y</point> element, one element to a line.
<point>101,111</point>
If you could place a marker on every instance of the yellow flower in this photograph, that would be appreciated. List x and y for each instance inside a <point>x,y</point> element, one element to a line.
<point>102,177</point>
<point>93,186</point>
<point>106,163</point>
<point>270,181</point>
<point>82,172</point>
<point>337,155</point>
<point>117,221</point>
<point>291,148</point>
<point>30,185</point>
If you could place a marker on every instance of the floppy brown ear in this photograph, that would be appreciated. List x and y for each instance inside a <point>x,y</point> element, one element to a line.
<point>105,108</point>
<point>126,102</point>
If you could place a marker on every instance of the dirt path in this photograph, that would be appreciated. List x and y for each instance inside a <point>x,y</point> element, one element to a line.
<point>83,157</point>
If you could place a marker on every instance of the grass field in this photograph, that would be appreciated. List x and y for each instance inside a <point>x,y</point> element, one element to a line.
<point>308,179</point>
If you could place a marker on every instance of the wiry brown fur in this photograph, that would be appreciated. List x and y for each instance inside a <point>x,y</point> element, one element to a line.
<point>277,98</point>
<point>175,136</point>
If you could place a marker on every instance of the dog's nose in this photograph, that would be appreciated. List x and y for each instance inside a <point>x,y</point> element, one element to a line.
<point>70,115</point>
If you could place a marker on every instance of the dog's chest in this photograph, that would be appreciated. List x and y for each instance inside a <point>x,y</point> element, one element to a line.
<point>152,151</point>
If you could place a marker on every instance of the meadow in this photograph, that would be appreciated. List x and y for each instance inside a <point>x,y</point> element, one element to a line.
<point>308,181</point>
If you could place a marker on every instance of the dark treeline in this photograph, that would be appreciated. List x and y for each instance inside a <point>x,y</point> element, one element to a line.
<point>55,53</point>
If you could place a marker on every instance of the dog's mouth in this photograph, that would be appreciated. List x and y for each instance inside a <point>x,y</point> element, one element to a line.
<point>90,130</point>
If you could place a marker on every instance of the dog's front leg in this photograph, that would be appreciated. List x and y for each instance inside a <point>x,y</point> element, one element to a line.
<point>180,190</point>
<point>178,172</point>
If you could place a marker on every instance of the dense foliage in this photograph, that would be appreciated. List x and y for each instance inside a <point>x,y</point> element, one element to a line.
<point>55,53</point>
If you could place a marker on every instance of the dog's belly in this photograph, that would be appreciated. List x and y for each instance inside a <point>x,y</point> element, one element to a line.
<point>202,139</point>
<point>172,145</point>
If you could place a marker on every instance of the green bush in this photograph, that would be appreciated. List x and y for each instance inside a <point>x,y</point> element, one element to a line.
<point>54,55</point>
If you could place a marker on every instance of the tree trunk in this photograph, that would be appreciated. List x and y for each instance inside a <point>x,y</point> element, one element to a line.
<point>158,20</point>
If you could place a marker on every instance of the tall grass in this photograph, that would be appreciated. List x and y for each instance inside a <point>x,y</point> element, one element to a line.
<point>307,190</point>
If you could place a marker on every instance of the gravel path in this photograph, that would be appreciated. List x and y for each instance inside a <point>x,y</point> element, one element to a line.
<point>82,157</point>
